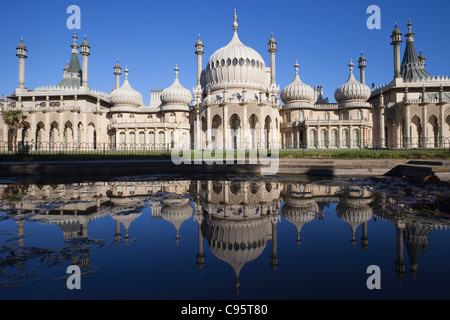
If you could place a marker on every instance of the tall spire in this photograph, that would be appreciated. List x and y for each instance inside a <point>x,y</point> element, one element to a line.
<point>412,67</point>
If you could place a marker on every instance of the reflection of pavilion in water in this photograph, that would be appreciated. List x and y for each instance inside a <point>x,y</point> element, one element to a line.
<point>412,232</point>
<point>237,218</point>
<point>72,207</point>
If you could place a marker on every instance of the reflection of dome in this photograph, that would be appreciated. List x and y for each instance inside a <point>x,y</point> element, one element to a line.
<point>352,90</point>
<point>176,94</point>
<point>354,215</point>
<point>70,228</point>
<point>297,92</point>
<point>235,66</point>
<point>176,211</point>
<point>126,95</point>
<point>236,242</point>
<point>126,216</point>
<point>299,212</point>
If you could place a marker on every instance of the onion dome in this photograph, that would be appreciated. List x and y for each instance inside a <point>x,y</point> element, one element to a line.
<point>85,43</point>
<point>352,91</point>
<point>21,45</point>
<point>396,31</point>
<point>297,92</point>
<point>235,66</point>
<point>126,95</point>
<point>176,94</point>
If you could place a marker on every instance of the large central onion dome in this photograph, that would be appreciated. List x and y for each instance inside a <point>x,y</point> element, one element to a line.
<point>176,94</point>
<point>126,95</point>
<point>235,66</point>
<point>297,93</point>
<point>352,90</point>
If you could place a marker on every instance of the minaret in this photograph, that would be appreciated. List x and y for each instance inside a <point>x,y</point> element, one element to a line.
<point>362,67</point>
<point>272,49</point>
<point>85,53</point>
<point>22,55</point>
<point>396,40</point>
<point>117,72</point>
<point>422,58</point>
<point>199,52</point>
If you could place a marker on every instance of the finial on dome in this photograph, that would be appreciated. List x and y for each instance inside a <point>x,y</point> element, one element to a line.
<point>126,72</point>
<point>410,34</point>
<point>351,65</point>
<point>296,66</point>
<point>74,45</point>
<point>176,70</point>
<point>235,24</point>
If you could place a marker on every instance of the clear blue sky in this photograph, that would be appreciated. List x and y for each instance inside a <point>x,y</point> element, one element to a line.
<point>152,36</point>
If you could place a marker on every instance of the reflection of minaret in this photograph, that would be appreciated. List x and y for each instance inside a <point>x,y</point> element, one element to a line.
<point>20,232</point>
<point>274,257</point>
<point>399,264</point>
<point>364,238</point>
<point>117,235</point>
<point>416,238</point>
<point>200,255</point>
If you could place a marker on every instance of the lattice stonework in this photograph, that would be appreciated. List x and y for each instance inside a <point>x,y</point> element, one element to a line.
<point>446,111</point>
<point>415,110</point>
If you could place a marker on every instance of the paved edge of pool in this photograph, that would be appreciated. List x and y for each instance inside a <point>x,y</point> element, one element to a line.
<point>308,167</point>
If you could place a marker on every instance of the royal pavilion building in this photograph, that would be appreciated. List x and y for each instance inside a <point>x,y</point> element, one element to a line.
<point>235,104</point>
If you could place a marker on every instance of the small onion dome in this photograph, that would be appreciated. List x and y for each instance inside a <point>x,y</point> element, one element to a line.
<point>21,45</point>
<point>421,57</point>
<point>85,43</point>
<point>396,31</point>
<point>126,95</point>
<point>297,91</point>
<point>176,93</point>
<point>352,90</point>
<point>117,65</point>
<point>199,42</point>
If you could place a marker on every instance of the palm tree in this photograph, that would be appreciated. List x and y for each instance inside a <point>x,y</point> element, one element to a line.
<point>14,120</point>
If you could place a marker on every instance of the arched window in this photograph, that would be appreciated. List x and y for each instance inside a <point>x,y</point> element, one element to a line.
<point>132,138</point>
<point>334,138</point>
<point>313,138</point>
<point>122,138</point>
<point>359,114</point>
<point>356,138</point>
<point>323,138</point>
<point>151,139</point>
<point>345,138</point>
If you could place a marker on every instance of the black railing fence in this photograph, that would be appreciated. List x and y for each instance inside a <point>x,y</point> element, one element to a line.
<point>166,149</point>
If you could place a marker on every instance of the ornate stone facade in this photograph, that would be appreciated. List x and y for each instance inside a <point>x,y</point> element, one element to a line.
<point>235,104</point>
